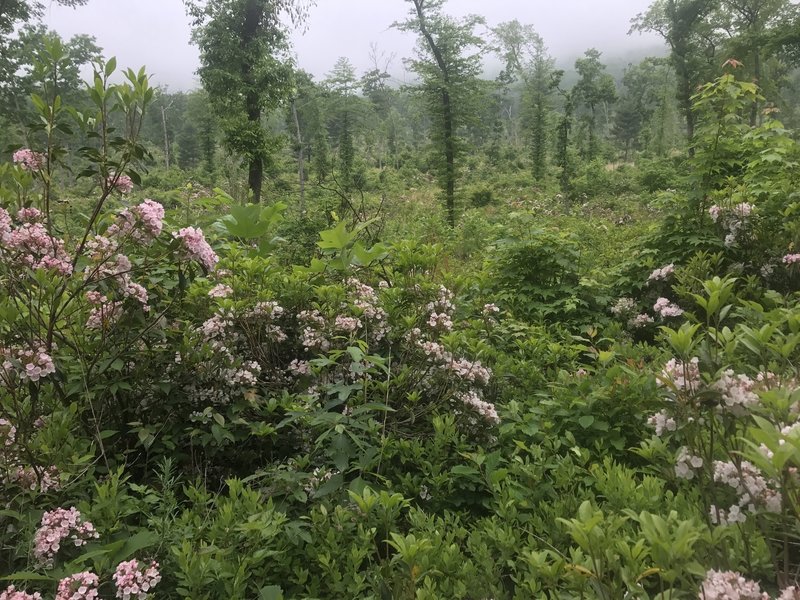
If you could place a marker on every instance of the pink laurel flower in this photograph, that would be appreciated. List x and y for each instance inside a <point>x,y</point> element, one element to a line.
<point>727,585</point>
<point>80,586</point>
<point>28,159</point>
<point>120,183</point>
<point>195,247</point>
<point>665,308</point>
<point>134,580</point>
<point>142,223</point>
<point>33,247</point>
<point>12,593</point>
<point>791,259</point>
<point>57,526</point>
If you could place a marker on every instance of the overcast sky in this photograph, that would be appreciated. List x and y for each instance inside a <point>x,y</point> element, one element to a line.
<point>155,33</point>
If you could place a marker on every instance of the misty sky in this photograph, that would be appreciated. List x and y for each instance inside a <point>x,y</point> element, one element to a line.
<point>156,33</point>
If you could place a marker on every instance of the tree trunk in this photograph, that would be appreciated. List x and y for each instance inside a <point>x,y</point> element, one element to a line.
<point>754,112</point>
<point>166,137</point>
<point>301,168</point>
<point>448,127</point>
<point>449,159</point>
<point>255,177</point>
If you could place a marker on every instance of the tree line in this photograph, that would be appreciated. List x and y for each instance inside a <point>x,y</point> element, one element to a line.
<point>255,103</point>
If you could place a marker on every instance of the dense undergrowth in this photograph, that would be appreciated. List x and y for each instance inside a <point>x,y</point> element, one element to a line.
<point>583,397</point>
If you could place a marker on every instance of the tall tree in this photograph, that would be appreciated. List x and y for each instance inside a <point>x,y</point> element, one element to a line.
<point>448,64</point>
<point>15,12</point>
<point>246,70</point>
<point>750,25</point>
<point>595,88</point>
<point>64,60</point>
<point>525,56</point>
<point>342,84</point>
<point>684,26</point>
<point>643,115</point>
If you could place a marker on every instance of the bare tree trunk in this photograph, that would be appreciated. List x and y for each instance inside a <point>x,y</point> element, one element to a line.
<point>166,136</point>
<point>301,167</point>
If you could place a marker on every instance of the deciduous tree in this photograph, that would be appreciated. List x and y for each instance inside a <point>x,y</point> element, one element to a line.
<point>448,64</point>
<point>246,70</point>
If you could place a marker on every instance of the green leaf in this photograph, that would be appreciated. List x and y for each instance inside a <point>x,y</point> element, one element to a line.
<point>271,592</point>
<point>26,576</point>
<point>586,421</point>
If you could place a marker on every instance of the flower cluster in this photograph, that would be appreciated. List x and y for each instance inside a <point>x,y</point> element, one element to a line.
<point>8,433</point>
<point>366,301</point>
<point>662,423</point>
<point>120,183</point>
<point>196,247</point>
<point>666,309</point>
<point>727,585</point>
<point>135,580</point>
<point>220,291</point>
<point>28,159</point>
<point>58,525</point>
<point>790,593</point>
<point>347,324</point>
<point>490,310</point>
<point>737,392</point>
<point>142,223</point>
<point>663,273</point>
<point>686,464</point>
<point>12,593</point>
<point>791,259</point>
<point>751,488</point>
<point>103,316</point>
<point>29,365</point>
<point>27,478</point>
<point>80,586</point>
<point>623,307</point>
<point>683,376</point>
<point>5,227</point>
<point>313,338</point>
<point>640,320</point>
<point>32,246</point>
<point>733,220</point>
<point>485,409</point>
<point>471,371</point>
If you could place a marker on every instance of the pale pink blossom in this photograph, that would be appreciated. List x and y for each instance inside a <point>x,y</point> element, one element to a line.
<point>639,321</point>
<point>12,593</point>
<point>490,309</point>
<point>31,364</point>
<point>28,159</point>
<point>728,585</point>
<point>790,593</point>
<point>135,580</point>
<point>103,316</point>
<point>121,183</point>
<point>57,526</point>
<point>662,423</point>
<point>5,226</point>
<point>737,392</point>
<point>220,291</point>
<point>665,308</point>
<point>31,246</point>
<point>684,376</point>
<point>663,273</point>
<point>195,247</point>
<point>27,478</point>
<point>142,223</point>
<point>485,409</point>
<point>80,586</point>
<point>8,433</point>
<point>791,259</point>
<point>623,306</point>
